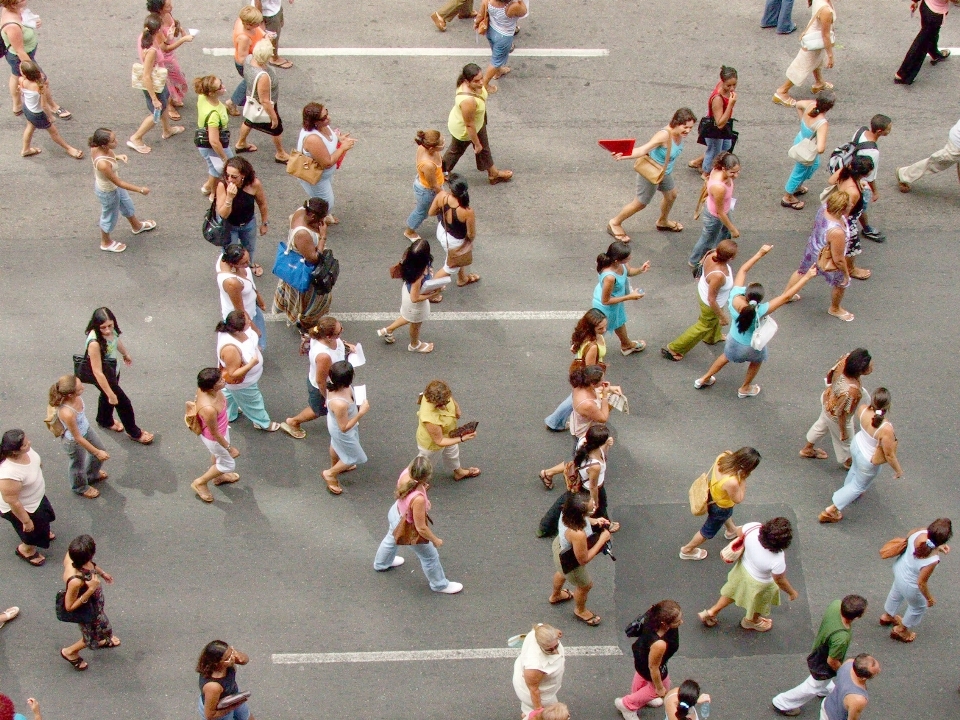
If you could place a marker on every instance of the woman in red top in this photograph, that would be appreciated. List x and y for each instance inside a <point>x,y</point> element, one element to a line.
<point>720,110</point>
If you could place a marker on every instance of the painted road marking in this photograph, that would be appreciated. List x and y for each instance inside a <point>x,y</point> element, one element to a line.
<point>458,316</point>
<point>427,655</point>
<point>424,52</point>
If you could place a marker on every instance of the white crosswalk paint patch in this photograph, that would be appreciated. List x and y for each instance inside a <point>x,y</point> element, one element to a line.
<point>432,655</point>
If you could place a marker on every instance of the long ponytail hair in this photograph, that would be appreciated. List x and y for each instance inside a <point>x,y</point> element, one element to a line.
<point>687,697</point>
<point>596,437</point>
<point>748,315</point>
<point>880,404</point>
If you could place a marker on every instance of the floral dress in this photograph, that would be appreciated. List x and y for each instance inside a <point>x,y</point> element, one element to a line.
<point>97,632</point>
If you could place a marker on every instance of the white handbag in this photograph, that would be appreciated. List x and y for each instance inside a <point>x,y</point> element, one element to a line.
<point>764,333</point>
<point>253,110</point>
<point>813,40</point>
<point>804,152</point>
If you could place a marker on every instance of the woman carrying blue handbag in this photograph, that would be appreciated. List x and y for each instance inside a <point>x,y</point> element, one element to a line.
<point>296,296</point>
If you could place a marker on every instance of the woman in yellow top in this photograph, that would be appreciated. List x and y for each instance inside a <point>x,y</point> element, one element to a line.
<point>429,179</point>
<point>438,415</point>
<point>212,116</point>
<point>468,126</point>
<point>728,487</point>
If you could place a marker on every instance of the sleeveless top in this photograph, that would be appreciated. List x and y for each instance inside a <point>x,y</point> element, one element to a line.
<point>723,293</point>
<point>31,100</point>
<point>404,503</point>
<point>30,40</point>
<point>317,348</point>
<point>500,21</point>
<point>716,93</point>
<point>808,132</point>
<point>641,651</point>
<point>423,169</point>
<point>727,195</point>
<point>452,225</point>
<point>251,74</point>
<point>101,181</point>
<point>601,348</point>
<point>456,124</point>
<point>844,685</point>
<point>161,60</point>
<point>908,566</point>
<point>561,535</point>
<point>866,443</point>
<point>590,462</point>
<point>659,154</point>
<point>248,350</point>
<point>255,35</point>
<point>111,350</point>
<point>717,492</point>
<point>578,423</point>
<point>248,292</point>
<point>331,146</point>
<point>620,283</point>
<point>82,423</point>
<point>228,682</point>
<point>222,426</point>
<point>241,212</point>
<point>821,228</point>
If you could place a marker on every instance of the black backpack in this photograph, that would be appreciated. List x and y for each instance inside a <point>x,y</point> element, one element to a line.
<point>3,46</point>
<point>325,273</point>
<point>843,155</point>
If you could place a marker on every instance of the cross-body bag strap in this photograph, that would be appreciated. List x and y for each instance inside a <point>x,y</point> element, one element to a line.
<point>206,122</point>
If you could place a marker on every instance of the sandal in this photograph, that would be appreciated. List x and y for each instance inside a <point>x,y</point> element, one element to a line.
<point>751,391</point>
<point>565,596</point>
<point>113,642</point>
<point>897,620</point>
<point>144,439</point>
<point>469,281</point>
<point>256,269</point>
<point>846,315</point>
<point>227,478</point>
<point>636,347</point>
<point>762,625</point>
<point>502,177</point>
<point>63,114</point>
<point>175,130</point>
<point>114,247</point>
<point>78,662</point>
<point>802,190</point>
<point>422,347</point>
<point>416,236</point>
<point>145,226</point>
<point>202,493</point>
<point>785,101</point>
<point>861,274</point>
<point>821,87</point>
<point>281,159</point>
<point>671,226</point>
<point>272,427</point>
<point>36,559</point>
<point>174,116</point>
<point>470,473</point>
<point>101,476</point>
<point>826,517</point>
<point>620,236</point>
<point>116,427</point>
<point>387,336</point>
<point>698,383</point>
<point>330,220</point>
<point>546,480</point>
<point>815,454</point>
<point>697,554</point>
<point>902,634</point>
<point>281,63</point>
<point>140,147</point>
<point>295,433</point>
<point>333,486</point>
<point>707,619</point>
<point>90,493</point>
<point>8,615</point>
<point>795,205</point>
<point>249,148</point>
<point>592,621</point>
<point>670,354</point>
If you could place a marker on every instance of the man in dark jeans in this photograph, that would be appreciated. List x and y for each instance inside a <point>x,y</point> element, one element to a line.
<point>932,13</point>
<point>829,650</point>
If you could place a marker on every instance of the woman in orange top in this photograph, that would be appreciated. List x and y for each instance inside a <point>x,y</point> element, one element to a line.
<point>247,32</point>
<point>429,179</point>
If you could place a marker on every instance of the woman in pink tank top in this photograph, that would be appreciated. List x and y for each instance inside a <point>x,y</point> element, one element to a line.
<point>211,413</point>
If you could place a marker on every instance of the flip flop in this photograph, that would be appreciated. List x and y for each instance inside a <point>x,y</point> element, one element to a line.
<point>802,190</point>
<point>144,439</point>
<point>283,64</point>
<point>752,392</point>
<point>78,663</point>
<point>897,620</point>
<point>707,619</point>
<point>256,269</point>
<point>470,280</point>
<point>902,634</point>
<point>592,621</point>
<point>422,347</point>
<point>697,554</point>
<point>19,112</point>
<point>31,152</point>
<point>565,596</point>
<point>471,473</point>
<point>796,205</point>
<point>227,478</point>
<point>672,226</point>
<point>175,118</point>
<point>116,427</point>
<point>330,220</point>
<point>818,454</point>
<point>141,148</point>
<point>63,114</point>
<point>113,642</point>
<point>698,384</point>
<point>175,130</point>
<point>280,160</point>
<point>621,236</point>
<point>861,274</point>
<point>272,427</point>
<point>546,480</point>
<point>9,614</point>
<point>846,316</point>
<point>296,433</point>
<point>670,355</point>
<point>145,226</point>
<point>415,237</point>
<point>245,149</point>
<point>114,247</point>
<point>202,494</point>
<point>36,559</point>
<point>333,487</point>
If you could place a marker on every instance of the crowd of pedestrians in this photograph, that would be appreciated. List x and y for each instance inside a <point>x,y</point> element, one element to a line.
<point>732,311</point>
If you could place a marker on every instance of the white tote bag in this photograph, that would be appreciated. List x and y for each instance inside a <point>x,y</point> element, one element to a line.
<point>253,110</point>
<point>764,333</point>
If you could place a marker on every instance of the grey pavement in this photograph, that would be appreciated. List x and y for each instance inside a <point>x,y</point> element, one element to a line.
<point>277,565</point>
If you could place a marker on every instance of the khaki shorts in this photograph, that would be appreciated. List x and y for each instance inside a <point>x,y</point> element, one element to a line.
<point>274,23</point>
<point>579,577</point>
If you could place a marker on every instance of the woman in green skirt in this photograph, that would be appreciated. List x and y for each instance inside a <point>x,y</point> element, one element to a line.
<point>757,578</point>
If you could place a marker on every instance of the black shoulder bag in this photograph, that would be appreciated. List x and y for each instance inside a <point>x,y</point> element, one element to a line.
<point>83,614</point>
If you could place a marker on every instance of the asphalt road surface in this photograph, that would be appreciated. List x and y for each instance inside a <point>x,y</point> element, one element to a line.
<point>277,565</point>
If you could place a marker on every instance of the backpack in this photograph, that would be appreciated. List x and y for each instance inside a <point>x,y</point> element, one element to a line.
<point>324,274</point>
<point>192,419</point>
<point>843,155</point>
<point>53,422</point>
<point>3,51</point>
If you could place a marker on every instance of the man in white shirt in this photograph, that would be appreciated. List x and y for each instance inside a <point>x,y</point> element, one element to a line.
<point>880,126</point>
<point>940,160</point>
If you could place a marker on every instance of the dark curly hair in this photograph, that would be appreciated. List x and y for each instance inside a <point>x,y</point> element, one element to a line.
<point>776,534</point>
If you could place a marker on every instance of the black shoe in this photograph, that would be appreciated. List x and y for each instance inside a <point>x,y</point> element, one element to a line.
<point>875,235</point>
<point>941,56</point>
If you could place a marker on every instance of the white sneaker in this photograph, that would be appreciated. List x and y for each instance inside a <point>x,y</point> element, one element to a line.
<point>656,702</point>
<point>627,714</point>
<point>452,588</point>
<point>397,562</point>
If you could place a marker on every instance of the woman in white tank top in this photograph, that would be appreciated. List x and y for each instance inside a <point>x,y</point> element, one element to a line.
<point>242,364</point>
<point>238,290</point>
<point>326,147</point>
<point>874,445</point>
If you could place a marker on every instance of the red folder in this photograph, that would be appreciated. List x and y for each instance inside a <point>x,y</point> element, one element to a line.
<point>624,147</point>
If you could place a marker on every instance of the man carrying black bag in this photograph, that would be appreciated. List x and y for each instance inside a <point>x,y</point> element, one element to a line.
<point>829,650</point>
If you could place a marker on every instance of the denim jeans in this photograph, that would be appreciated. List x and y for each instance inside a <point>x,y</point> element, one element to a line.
<point>429,557</point>
<point>715,146</point>
<point>113,204</point>
<point>424,200</point>
<point>249,401</point>
<point>558,420</point>
<point>241,712</point>
<point>84,467</point>
<point>261,322</point>
<point>245,234</point>
<point>860,476</point>
<point>713,232</point>
<point>779,13</point>
<point>210,156</point>
<point>239,97</point>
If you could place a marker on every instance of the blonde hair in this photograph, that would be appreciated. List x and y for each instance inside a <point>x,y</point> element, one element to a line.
<point>62,389</point>
<point>418,471</point>
<point>837,202</point>
<point>249,15</point>
<point>556,711</point>
<point>263,51</point>
<point>206,85</point>
<point>545,634</point>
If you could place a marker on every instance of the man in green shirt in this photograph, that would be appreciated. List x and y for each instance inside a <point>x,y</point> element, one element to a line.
<point>829,650</point>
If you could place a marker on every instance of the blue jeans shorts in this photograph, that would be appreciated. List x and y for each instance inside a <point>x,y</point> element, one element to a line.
<point>500,47</point>
<point>716,517</point>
